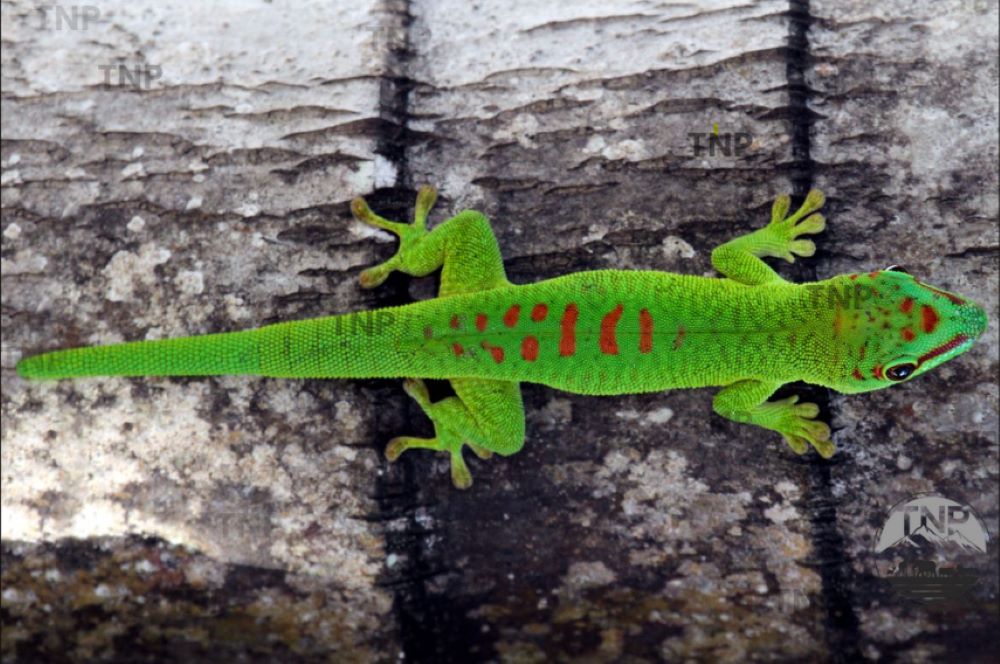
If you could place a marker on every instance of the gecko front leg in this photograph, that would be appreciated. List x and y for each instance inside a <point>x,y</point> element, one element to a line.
<point>740,258</point>
<point>746,401</point>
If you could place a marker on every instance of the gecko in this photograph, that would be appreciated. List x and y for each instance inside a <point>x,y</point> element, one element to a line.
<point>601,332</point>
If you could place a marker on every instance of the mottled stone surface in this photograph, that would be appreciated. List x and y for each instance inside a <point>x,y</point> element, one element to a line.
<point>245,517</point>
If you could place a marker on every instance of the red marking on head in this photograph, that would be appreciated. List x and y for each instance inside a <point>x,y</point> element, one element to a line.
<point>877,371</point>
<point>853,277</point>
<point>510,318</point>
<point>567,327</point>
<point>539,312</point>
<point>428,332</point>
<point>836,323</point>
<point>874,274</point>
<point>609,345</point>
<point>645,331</point>
<point>953,298</point>
<point>679,339</point>
<point>929,318</point>
<point>457,349</point>
<point>481,321</point>
<point>454,322</point>
<point>495,351</point>
<point>857,374</point>
<point>957,341</point>
<point>862,351</point>
<point>908,334</point>
<point>529,349</point>
<point>906,306</point>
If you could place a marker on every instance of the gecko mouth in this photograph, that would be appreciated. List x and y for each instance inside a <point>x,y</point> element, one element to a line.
<point>954,343</point>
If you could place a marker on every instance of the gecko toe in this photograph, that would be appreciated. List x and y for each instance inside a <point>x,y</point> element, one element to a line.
<point>460,475</point>
<point>798,444</point>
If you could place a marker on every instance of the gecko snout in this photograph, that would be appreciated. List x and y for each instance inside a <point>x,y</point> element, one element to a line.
<point>973,318</point>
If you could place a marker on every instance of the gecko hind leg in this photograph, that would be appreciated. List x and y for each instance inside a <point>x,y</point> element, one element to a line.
<point>463,247</point>
<point>486,415</point>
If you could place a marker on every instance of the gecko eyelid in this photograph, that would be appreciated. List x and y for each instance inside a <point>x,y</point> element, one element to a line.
<point>896,268</point>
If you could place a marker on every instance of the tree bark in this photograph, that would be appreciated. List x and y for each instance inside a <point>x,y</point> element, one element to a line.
<point>182,170</point>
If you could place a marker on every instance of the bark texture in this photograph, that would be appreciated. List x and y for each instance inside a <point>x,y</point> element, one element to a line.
<point>204,187</point>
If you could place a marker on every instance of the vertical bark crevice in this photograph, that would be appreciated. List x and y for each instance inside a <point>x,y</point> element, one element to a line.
<point>831,560</point>
<point>427,624</point>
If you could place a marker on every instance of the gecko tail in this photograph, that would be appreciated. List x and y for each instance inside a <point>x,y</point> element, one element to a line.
<point>354,345</point>
<point>206,355</point>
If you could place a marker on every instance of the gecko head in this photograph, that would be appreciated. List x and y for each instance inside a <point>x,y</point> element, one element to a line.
<point>894,328</point>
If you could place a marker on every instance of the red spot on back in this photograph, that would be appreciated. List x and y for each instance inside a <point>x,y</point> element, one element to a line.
<point>481,321</point>
<point>529,349</point>
<point>609,345</point>
<point>906,306</point>
<point>567,340</point>
<point>943,348</point>
<point>495,351</point>
<point>908,334</point>
<point>457,349</point>
<point>861,352</point>
<point>510,318</point>
<point>679,339</point>
<point>645,331</point>
<point>929,318</point>
<point>857,374</point>
<point>539,312</point>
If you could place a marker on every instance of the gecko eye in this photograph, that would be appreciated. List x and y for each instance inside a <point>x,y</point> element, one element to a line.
<point>900,371</point>
<point>896,268</point>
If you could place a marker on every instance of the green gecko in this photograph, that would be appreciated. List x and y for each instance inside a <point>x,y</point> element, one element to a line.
<point>600,332</point>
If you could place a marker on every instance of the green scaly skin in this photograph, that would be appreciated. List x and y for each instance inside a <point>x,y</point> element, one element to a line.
<point>601,332</point>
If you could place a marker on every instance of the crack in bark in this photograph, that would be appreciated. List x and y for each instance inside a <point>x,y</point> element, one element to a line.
<point>832,562</point>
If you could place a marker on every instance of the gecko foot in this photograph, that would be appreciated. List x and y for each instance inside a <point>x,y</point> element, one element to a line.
<point>797,424</point>
<point>408,234</point>
<point>460,475</point>
<point>780,235</point>
<point>447,439</point>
